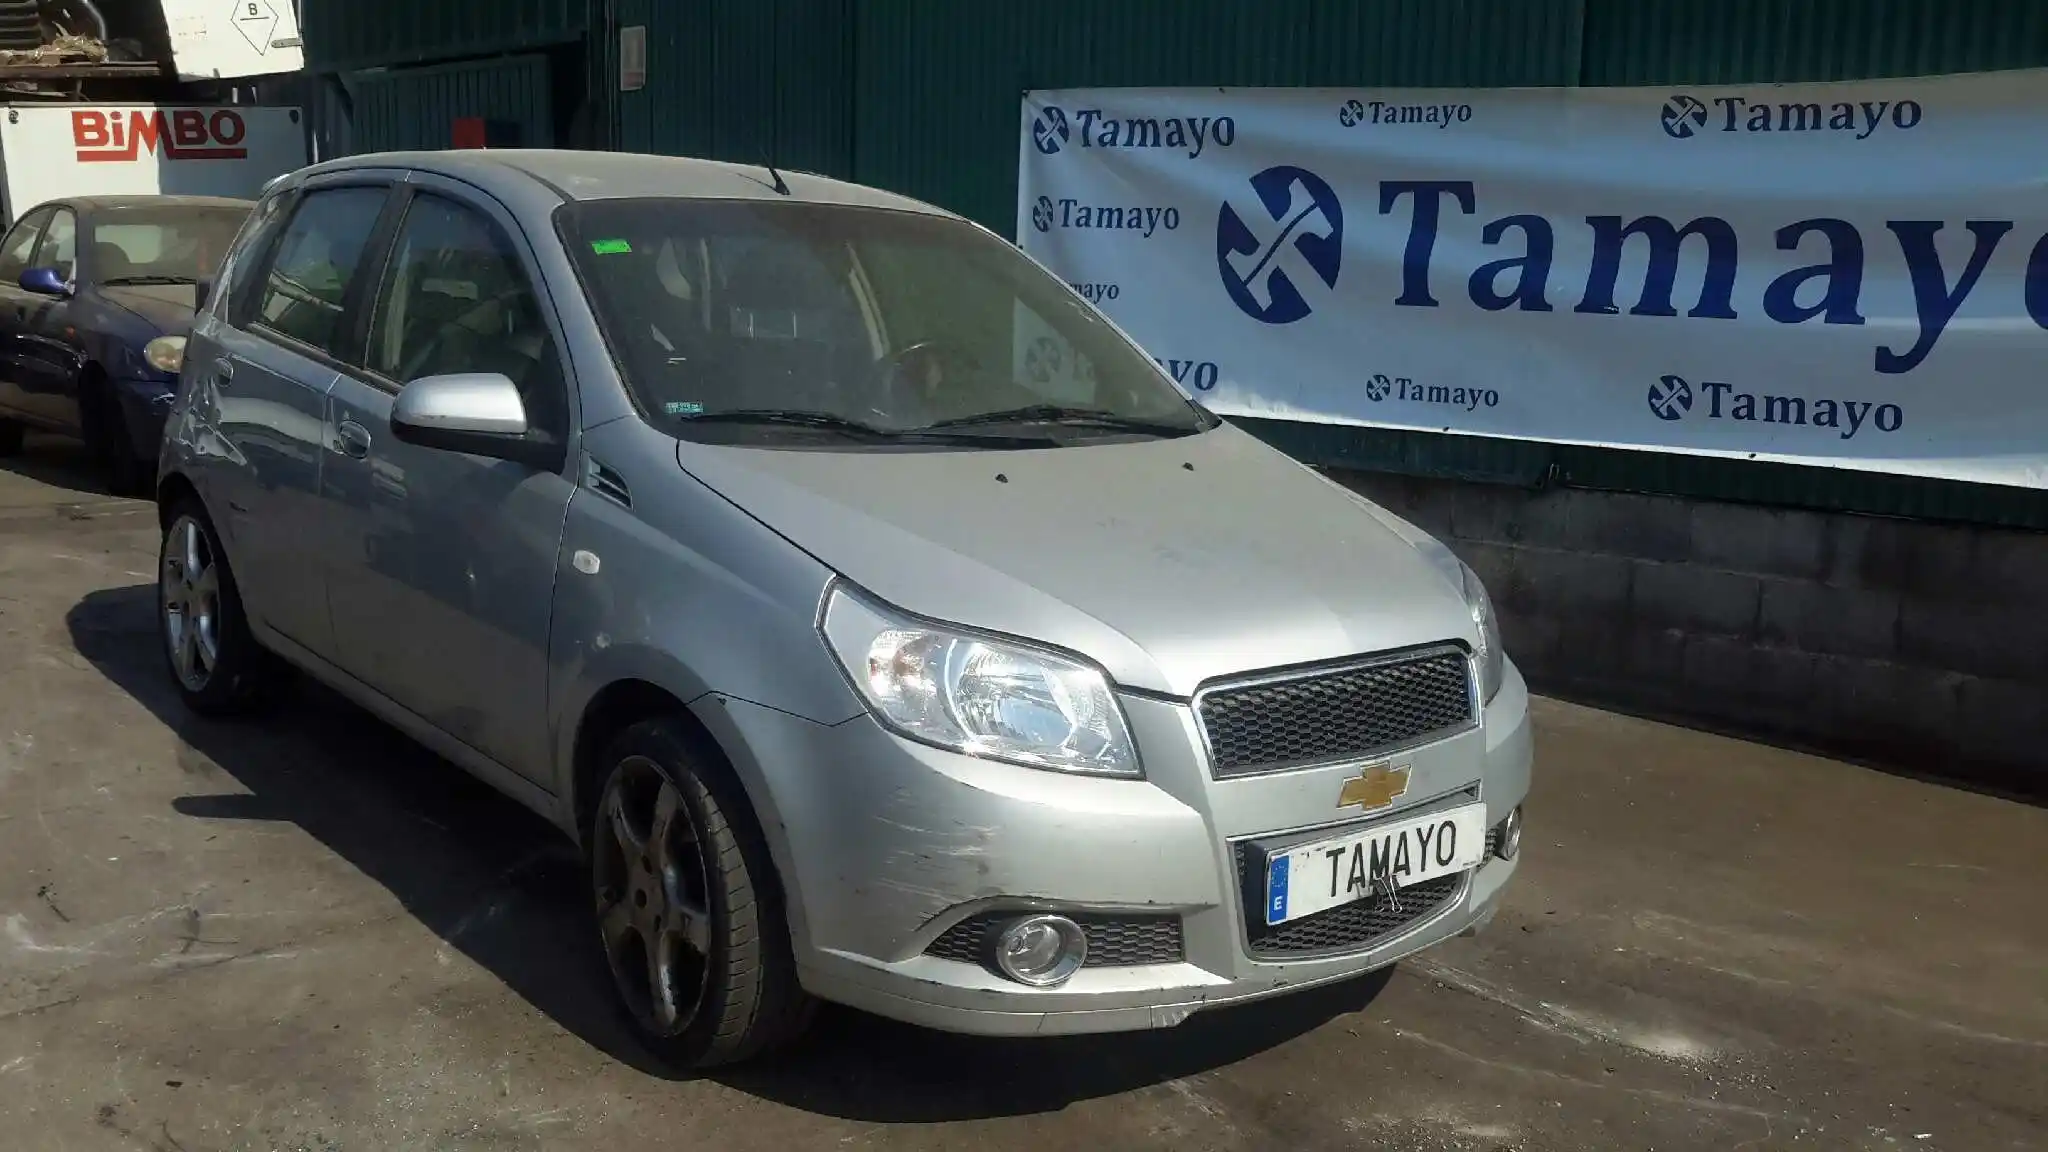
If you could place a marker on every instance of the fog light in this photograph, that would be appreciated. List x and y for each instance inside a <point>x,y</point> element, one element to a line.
<point>1510,841</point>
<point>1040,950</point>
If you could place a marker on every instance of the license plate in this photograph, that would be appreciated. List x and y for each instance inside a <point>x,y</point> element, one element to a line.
<point>1319,876</point>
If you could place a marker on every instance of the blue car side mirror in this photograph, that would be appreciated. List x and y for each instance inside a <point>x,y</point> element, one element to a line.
<point>45,282</point>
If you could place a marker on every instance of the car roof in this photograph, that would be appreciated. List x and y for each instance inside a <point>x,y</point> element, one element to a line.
<point>576,176</point>
<point>116,203</point>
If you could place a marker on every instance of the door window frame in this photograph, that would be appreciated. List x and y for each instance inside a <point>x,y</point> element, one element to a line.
<point>512,240</point>
<point>243,313</point>
<point>43,241</point>
<point>38,218</point>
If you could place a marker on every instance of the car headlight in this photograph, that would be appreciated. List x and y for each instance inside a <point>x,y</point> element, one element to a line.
<point>165,354</point>
<point>1491,658</point>
<point>982,696</point>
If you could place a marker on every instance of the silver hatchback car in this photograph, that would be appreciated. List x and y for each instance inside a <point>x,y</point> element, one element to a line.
<point>882,622</point>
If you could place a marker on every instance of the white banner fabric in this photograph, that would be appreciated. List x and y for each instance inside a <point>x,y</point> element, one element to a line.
<point>1852,275</point>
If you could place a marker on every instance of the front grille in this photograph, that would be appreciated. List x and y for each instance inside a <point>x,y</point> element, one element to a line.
<point>1354,927</point>
<point>1113,941</point>
<point>1345,714</point>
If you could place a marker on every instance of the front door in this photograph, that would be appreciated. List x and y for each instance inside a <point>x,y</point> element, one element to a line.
<point>47,343</point>
<point>441,583</point>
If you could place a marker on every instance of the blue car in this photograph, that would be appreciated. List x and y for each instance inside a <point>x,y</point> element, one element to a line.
<point>86,284</point>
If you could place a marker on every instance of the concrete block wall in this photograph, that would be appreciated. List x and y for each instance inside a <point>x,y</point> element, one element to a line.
<point>1923,646</point>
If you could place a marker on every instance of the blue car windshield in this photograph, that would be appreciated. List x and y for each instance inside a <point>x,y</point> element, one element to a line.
<point>159,245</point>
<point>890,320</point>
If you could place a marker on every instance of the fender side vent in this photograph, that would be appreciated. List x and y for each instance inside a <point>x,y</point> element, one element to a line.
<point>603,480</point>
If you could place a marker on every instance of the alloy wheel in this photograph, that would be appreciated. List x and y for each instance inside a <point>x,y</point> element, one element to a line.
<point>191,603</point>
<point>653,903</point>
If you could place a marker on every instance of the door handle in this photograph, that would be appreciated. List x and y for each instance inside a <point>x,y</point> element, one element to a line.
<point>353,439</point>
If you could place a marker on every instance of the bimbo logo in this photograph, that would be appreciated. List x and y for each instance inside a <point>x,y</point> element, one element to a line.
<point>175,134</point>
<point>1684,117</point>
<point>1290,244</point>
<point>1051,132</point>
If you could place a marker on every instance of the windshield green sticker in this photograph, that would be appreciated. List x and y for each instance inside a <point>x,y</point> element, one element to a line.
<point>610,247</point>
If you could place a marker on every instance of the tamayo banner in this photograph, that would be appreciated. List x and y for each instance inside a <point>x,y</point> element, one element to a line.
<point>1842,274</point>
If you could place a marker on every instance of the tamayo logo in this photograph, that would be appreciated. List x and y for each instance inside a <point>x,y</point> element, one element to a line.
<point>1380,386</point>
<point>1358,113</point>
<point>1092,128</point>
<point>1671,398</point>
<point>176,134</point>
<point>1050,132</point>
<point>1096,292</point>
<point>1684,116</point>
<point>1201,375</point>
<point>1067,212</point>
<point>1292,241</point>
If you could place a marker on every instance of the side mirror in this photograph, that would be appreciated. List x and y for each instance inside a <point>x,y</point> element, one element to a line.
<point>478,413</point>
<point>45,282</point>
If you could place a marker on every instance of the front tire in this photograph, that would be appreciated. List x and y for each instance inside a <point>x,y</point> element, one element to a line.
<point>689,913</point>
<point>105,429</point>
<point>217,665</point>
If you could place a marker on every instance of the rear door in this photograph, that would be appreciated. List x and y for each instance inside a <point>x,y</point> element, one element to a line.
<point>268,372</point>
<point>443,564</point>
<point>17,255</point>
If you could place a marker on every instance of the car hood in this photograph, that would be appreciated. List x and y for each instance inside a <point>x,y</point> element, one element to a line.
<point>168,306</point>
<point>1169,562</point>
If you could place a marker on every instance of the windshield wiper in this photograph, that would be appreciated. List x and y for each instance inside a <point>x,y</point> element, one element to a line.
<point>798,418</point>
<point>1063,414</point>
<point>113,281</point>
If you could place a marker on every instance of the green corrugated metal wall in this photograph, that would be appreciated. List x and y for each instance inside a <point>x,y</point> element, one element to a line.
<point>417,107</point>
<point>746,81</point>
<point>343,35</point>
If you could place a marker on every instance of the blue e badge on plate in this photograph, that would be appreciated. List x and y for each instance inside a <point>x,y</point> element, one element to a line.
<point>1276,891</point>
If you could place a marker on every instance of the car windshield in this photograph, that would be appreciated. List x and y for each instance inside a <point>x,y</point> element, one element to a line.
<point>167,245</point>
<point>801,318</point>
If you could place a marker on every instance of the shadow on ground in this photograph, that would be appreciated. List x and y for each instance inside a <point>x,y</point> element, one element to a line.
<point>504,888</point>
<point>58,462</point>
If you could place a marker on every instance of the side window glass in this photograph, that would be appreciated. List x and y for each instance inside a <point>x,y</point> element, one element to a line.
<point>60,245</point>
<point>316,258</point>
<point>246,258</point>
<point>457,299</point>
<point>20,246</point>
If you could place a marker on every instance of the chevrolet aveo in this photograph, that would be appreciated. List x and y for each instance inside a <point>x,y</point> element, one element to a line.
<point>881,621</point>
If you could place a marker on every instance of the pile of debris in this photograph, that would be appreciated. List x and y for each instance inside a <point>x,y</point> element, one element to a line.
<point>65,49</point>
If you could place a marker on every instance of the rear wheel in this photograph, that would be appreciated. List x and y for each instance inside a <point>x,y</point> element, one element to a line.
<point>217,665</point>
<point>688,909</point>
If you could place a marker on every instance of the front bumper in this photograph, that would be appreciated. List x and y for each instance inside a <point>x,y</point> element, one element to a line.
<point>884,844</point>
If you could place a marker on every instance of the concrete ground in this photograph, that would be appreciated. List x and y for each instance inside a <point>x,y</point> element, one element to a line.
<point>307,934</point>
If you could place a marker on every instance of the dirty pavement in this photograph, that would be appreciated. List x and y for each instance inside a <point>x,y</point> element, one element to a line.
<point>306,933</point>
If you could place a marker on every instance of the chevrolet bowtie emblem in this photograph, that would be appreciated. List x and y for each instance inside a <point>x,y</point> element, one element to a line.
<point>1377,787</point>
